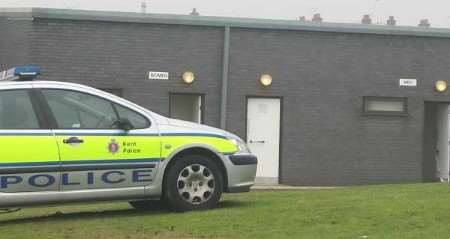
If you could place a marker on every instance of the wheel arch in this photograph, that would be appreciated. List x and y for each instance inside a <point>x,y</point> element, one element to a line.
<point>197,149</point>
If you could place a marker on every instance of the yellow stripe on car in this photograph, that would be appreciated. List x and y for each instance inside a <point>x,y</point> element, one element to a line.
<point>98,147</point>
<point>110,147</point>
<point>28,149</point>
<point>172,143</point>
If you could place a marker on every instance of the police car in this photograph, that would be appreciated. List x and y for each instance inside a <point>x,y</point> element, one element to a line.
<point>63,142</point>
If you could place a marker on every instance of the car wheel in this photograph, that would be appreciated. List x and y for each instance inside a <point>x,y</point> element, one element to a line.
<point>194,182</point>
<point>146,205</point>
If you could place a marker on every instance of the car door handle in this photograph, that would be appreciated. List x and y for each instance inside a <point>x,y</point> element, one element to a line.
<point>73,140</point>
<point>257,141</point>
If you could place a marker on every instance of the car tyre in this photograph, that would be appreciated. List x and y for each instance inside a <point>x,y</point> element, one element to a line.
<point>193,182</point>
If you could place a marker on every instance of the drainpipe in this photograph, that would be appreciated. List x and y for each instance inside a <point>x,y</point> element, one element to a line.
<point>225,67</point>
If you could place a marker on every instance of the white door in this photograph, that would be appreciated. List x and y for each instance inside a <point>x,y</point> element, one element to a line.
<point>263,137</point>
<point>442,152</point>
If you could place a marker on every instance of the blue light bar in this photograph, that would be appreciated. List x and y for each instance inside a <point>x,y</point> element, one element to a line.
<point>20,73</point>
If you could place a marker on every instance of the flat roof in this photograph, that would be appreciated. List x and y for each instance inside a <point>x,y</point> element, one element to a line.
<point>255,23</point>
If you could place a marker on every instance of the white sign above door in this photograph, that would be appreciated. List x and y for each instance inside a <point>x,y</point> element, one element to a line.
<point>158,75</point>
<point>408,82</point>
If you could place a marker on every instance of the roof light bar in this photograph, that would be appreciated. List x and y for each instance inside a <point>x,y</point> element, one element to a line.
<point>20,73</point>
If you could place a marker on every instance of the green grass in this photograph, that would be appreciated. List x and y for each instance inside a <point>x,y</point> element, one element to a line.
<point>391,211</point>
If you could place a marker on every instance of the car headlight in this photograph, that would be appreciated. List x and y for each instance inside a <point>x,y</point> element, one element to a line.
<point>241,145</point>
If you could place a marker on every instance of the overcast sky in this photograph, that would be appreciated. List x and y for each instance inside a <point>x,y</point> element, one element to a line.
<point>406,12</point>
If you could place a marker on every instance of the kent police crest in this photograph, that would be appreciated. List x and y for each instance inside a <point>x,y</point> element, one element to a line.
<point>113,146</point>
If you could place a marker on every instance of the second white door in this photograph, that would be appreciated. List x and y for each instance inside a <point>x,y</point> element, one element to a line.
<point>263,137</point>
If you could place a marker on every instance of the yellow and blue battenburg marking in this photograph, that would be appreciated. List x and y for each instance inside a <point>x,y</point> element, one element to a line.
<point>41,146</point>
<point>104,158</point>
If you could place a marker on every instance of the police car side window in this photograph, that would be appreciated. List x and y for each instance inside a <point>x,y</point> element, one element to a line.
<point>77,110</point>
<point>138,121</point>
<point>16,110</point>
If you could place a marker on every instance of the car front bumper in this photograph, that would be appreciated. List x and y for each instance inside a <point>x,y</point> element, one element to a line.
<point>241,172</point>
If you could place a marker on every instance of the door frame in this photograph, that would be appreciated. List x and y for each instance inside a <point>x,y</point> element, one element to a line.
<point>442,115</point>
<point>32,169</point>
<point>86,132</point>
<point>202,101</point>
<point>429,174</point>
<point>280,140</point>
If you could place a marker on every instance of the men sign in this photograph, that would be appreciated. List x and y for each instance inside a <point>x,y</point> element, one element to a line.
<point>408,82</point>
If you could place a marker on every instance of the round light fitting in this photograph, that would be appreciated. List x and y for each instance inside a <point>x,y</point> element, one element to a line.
<point>188,77</point>
<point>441,85</point>
<point>265,80</point>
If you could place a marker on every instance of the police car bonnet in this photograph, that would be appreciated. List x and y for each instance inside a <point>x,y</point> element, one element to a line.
<point>20,73</point>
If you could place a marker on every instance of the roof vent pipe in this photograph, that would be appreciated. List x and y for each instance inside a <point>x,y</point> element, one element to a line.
<point>317,18</point>
<point>366,19</point>
<point>424,23</point>
<point>194,12</point>
<point>143,7</point>
<point>391,21</point>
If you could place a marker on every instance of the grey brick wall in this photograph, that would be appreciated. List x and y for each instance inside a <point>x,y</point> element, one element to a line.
<point>14,42</point>
<point>120,55</point>
<point>321,77</point>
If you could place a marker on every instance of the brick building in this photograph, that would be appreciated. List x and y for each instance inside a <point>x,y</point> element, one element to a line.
<point>321,103</point>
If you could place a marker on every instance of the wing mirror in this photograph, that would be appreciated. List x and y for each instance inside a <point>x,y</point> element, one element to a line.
<point>124,124</point>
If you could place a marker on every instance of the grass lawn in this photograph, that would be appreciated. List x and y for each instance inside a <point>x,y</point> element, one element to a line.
<point>391,211</point>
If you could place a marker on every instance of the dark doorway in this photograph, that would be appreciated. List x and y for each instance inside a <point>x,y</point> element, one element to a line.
<point>187,107</point>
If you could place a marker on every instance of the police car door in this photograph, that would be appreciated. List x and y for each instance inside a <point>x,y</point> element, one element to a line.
<point>95,149</point>
<point>29,159</point>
